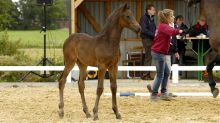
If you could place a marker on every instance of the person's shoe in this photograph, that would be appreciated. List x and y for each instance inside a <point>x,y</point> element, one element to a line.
<point>149,88</point>
<point>172,95</point>
<point>154,98</point>
<point>165,97</point>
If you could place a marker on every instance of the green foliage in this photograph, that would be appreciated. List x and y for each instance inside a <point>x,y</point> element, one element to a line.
<point>6,46</point>
<point>33,16</point>
<point>10,76</point>
<point>58,61</point>
<point>25,14</point>
<point>22,58</point>
<point>18,59</point>
<point>9,14</point>
<point>12,55</point>
<point>55,13</point>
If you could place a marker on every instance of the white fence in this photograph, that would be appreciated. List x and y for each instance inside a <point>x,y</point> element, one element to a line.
<point>175,69</point>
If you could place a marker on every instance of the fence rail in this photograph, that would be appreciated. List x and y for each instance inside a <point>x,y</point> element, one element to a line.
<point>174,68</point>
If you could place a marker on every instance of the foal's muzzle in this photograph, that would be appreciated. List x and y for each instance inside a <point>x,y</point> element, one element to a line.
<point>138,29</point>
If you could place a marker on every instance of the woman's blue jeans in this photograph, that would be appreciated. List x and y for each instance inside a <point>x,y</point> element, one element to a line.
<point>163,72</point>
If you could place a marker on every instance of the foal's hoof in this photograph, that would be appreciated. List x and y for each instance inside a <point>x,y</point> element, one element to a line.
<point>85,110</point>
<point>118,116</point>
<point>215,92</point>
<point>88,115</point>
<point>61,114</point>
<point>96,117</point>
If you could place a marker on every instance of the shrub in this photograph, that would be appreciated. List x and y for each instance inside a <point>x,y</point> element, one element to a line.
<point>6,46</point>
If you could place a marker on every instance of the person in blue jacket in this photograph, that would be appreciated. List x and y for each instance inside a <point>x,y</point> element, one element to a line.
<point>148,28</point>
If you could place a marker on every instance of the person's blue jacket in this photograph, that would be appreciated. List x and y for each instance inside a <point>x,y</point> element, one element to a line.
<point>148,27</point>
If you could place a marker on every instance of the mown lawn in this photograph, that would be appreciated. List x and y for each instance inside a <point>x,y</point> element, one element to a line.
<point>34,39</point>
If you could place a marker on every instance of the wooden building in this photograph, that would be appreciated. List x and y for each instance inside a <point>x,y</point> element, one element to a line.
<point>88,16</point>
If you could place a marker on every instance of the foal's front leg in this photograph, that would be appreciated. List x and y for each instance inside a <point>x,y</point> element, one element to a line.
<point>113,85</point>
<point>100,87</point>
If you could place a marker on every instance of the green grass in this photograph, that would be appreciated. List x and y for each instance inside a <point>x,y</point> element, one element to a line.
<point>34,39</point>
<point>29,57</point>
<point>32,56</point>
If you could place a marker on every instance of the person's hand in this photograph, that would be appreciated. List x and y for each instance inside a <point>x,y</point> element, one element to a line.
<point>180,31</point>
<point>177,56</point>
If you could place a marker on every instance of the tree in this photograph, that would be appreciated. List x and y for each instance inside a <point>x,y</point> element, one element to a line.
<point>29,13</point>
<point>32,15</point>
<point>55,13</point>
<point>8,14</point>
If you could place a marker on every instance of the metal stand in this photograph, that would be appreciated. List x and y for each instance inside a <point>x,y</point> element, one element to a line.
<point>44,60</point>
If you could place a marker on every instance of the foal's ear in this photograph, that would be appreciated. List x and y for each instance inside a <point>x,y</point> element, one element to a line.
<point>126,6</point>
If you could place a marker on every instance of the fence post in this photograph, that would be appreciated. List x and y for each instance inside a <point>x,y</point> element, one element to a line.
<point>175,73</point>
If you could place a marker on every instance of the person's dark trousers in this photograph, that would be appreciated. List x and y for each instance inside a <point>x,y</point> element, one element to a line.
<point>147,58</point>
<point>180,61</point>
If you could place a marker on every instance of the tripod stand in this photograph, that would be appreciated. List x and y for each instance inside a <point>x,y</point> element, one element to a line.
<point>44,60</point>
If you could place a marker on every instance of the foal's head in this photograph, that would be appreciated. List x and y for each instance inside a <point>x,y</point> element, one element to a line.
<point>127,19</point>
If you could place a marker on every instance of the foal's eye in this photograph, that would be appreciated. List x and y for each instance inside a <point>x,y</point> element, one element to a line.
<point>128,17</point>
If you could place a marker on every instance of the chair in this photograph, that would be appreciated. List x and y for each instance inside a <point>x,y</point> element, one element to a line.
<point>134,56</point>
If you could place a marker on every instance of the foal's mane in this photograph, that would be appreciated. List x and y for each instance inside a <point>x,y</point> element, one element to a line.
<point>112,19</point>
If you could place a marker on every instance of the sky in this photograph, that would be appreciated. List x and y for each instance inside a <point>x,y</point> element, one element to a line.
<point>15,0</point>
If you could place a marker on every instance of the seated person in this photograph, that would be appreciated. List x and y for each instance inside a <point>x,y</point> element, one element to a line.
<point>200,28</point>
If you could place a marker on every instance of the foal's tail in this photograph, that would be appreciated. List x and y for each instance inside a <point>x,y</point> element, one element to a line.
<point>65,46</point>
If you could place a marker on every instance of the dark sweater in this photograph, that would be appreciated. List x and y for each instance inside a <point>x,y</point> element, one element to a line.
<point>198,29</point>
<point>181,45</point>
<point>148,26</point>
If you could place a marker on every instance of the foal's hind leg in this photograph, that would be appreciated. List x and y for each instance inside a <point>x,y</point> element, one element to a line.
<point>100,87</point>
<point>68,67</point>
<point>212,83</point>
<point>113,84</point>
<point>81,85</point>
